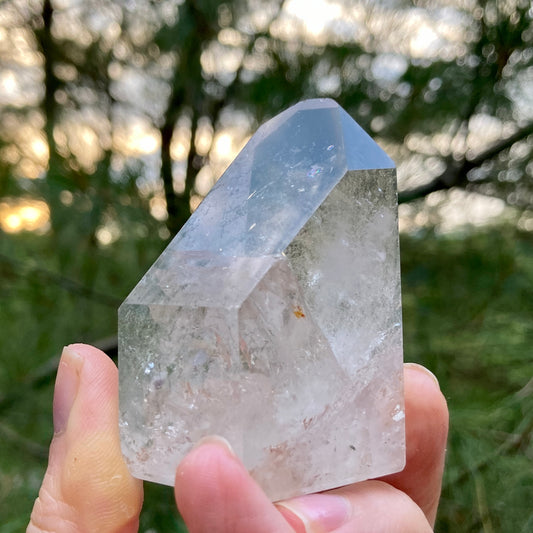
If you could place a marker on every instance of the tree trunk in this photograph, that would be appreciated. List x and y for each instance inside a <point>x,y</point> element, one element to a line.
<point>51,83</point>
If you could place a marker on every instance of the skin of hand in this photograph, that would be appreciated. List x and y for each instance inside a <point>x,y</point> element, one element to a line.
<point>87,486</point>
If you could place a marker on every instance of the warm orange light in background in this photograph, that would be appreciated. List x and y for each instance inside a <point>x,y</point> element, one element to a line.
<point>139,138</point>
<point>39,148</point>
<point>23,214</point>
<point>8,81</point>
<point>224,146</point>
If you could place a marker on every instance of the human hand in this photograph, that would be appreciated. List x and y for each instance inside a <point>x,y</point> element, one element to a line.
<point>87,486</point>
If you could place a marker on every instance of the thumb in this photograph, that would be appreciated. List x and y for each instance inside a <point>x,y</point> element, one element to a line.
<point>87,486</point>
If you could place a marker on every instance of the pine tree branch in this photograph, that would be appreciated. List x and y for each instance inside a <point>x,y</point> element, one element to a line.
<point>21,269</point>
<point>456,173</point>
<point>44,374</point>
<point>21,442</point>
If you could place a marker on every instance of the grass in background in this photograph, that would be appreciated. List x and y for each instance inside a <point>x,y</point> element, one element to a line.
<point>468,316</point>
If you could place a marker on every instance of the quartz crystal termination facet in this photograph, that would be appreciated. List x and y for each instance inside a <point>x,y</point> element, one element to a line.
<point>273,318</point>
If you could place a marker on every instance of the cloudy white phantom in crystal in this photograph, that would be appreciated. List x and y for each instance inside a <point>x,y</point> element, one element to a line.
<point>273,318</point>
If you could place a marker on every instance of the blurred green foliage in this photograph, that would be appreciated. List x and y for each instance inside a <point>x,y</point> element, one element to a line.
<point>468,316</point>
<point>468,312</point>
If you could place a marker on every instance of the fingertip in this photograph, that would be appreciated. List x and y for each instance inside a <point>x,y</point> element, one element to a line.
<point>425,403</point>
<point>218,441</point>
<point>214,492</point>
<point>98,360</point>
<point>85,350</point>
<point>204,473</point>
<point>96,405</point>
<point>422,370</point>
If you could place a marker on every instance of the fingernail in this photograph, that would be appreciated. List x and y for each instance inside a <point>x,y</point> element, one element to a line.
<point>316,513</point>
<point>66,387</point>
<point>215,439</point>
<point>420,368</point>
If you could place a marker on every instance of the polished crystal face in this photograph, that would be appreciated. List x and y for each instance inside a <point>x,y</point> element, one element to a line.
<point>273,318</point>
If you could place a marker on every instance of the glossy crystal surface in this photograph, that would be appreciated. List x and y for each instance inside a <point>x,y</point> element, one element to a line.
<point>273,318</point>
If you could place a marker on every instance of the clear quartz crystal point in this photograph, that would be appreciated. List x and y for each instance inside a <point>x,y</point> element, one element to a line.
<point>273,318</point>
